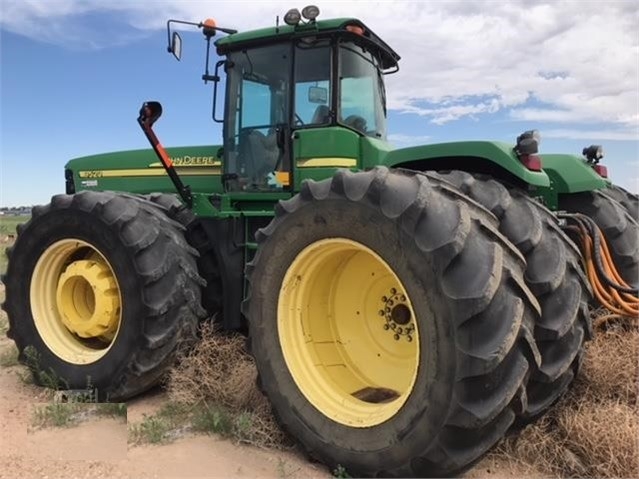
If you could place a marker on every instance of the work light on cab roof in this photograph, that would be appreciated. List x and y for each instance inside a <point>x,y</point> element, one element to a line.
<point>293,16</point>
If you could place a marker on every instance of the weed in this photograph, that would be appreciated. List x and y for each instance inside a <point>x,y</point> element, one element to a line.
<point>9,357</point>
<point>212,421</point>
<point>112,409</point>
<point>47,378</point>
<point>55,415</point>
<point>152,429</point>
<point>340,471</point>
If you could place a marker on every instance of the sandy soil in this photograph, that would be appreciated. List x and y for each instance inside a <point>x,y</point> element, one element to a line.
<point>98,448</point>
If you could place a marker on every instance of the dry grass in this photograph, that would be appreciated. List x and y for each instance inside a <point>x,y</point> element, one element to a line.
<point>591,432</point>
<point>594,430</point>
<point>219,372</point>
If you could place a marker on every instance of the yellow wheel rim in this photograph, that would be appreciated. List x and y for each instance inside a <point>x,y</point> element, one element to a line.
<point>348,332</point>
<point>75,301</point>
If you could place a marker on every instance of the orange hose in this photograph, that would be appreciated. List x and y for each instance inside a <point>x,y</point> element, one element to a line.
<point>620,303</point>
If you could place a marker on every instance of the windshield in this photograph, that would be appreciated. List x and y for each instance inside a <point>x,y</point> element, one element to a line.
<point>362,101</point>
<point>259,80</point>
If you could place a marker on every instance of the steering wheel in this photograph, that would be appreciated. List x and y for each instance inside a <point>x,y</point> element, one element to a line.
<point>298,120</point>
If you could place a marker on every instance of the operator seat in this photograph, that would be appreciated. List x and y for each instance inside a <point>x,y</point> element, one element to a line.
<point>261,154</point>
<point>321,116</point>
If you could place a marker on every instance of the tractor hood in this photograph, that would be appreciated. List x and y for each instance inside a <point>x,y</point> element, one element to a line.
<point>139,171</point>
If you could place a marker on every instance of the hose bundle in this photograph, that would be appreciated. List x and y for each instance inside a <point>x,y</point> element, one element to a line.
<point>609,287</point>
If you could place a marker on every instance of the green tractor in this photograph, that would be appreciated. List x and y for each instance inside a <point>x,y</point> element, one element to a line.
<point>405,307</point>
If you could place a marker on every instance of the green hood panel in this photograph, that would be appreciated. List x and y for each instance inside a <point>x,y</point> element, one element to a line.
<point>499,153</point>
<point>140,171</point>
<point>571,174</point>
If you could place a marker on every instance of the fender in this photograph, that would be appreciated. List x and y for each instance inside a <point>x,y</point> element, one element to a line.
<point>495,158</point>
<point>571,174</point>
<point>568,174</point>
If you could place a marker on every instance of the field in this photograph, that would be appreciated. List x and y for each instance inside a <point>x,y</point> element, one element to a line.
<point>8,226</point>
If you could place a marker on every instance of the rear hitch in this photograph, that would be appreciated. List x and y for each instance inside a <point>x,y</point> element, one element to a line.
<point>149,113</point>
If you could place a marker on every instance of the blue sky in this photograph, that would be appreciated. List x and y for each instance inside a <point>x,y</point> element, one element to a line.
<point>74,74</point>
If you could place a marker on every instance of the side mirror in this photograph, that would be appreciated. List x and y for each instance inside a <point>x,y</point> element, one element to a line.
<point>150,112</point>
<point>176,46</point>
<point>318,94</point>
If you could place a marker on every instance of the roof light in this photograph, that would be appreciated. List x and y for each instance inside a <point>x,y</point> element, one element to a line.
<point>292,17</point>
<point>356,29</point>
<point>310,12</point>
<point>593,153</point>
<point>208,27</point>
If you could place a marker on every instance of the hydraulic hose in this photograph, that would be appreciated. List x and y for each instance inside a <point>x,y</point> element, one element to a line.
<point>610,289</point>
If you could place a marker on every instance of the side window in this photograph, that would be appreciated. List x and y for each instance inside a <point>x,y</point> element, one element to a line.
<point>358,100</point>
<point>312,84</point>
<point>256,105</point>
<point>362,104</point>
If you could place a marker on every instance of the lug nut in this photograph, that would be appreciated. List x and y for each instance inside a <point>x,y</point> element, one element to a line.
<point>409,338</point>
<point>381,312</point>
<point>396,337</point>
<point>384,299</point>
<point>393,291</point>
<point>386,327</point>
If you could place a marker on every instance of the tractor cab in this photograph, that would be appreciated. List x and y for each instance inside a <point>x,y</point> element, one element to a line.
<point>286,80</point>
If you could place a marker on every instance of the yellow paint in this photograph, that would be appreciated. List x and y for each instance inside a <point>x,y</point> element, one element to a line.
<point>331,330</point>
<point>327,163</point>
<point>283,177</point>
<point>200,171</point>
<point>76,301</point>
<point>87,299</point>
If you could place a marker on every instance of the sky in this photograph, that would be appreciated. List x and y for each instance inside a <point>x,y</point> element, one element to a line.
<point>74,73</point>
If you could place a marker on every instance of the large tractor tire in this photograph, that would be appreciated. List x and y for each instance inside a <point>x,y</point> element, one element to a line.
<point>628,200</point>
<point>553,274</point>
<point>619,228</point>
<point>101,291</point>
<point>390,324</point>
<point>207,263</point>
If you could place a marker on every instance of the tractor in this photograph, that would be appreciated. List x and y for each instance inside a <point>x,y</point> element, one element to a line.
<point>405,308</point>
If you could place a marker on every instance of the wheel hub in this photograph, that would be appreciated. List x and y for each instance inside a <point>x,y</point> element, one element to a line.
<point>397,315</point>
<point>87,299</point>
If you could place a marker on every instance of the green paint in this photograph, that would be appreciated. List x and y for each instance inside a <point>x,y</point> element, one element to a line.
<point>497,154</point>
<point>568,174</point>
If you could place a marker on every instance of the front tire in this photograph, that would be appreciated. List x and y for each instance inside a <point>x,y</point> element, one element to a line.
<point>390,324</point>
<point>101,291</point>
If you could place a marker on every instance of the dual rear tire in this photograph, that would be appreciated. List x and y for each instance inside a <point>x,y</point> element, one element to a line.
<point>102,292</point>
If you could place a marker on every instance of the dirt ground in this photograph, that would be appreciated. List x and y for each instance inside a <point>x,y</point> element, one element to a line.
<point>98,448</point>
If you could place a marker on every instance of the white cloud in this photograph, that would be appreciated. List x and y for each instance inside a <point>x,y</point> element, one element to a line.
<point>592,135</point>
<point>564,62</point>
<point>401,140</point>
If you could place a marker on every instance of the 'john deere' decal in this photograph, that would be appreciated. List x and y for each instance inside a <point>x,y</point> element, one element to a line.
<point>187,161</point>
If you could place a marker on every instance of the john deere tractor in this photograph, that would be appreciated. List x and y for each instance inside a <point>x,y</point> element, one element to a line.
<point>405,307</point>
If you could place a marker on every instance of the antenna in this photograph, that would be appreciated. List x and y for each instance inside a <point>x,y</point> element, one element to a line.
<point>277,24</point>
